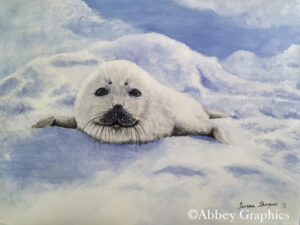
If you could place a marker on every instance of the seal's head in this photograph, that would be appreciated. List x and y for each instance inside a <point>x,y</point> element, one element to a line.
<point>120,103</point>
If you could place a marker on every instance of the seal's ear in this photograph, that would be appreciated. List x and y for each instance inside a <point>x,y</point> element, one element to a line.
<point>61,121</point>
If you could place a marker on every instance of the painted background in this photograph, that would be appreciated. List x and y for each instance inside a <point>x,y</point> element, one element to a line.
<point>242,58</point>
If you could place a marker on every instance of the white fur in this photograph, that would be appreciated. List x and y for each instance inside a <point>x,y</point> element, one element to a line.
<point>159,109</point>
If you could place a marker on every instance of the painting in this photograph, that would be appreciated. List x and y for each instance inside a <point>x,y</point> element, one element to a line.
<point>181,112</point>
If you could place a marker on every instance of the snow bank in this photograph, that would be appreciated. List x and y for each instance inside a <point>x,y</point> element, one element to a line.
<point>60,176</point>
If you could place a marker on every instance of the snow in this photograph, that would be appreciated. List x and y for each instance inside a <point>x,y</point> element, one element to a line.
<point>282,67</point>
<point>61,176</point>
<point>44,170</point>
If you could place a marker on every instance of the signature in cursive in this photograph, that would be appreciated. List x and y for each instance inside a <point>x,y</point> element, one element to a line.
<point>263,204</point>
<point>242,205</point>
<point>260,204</point>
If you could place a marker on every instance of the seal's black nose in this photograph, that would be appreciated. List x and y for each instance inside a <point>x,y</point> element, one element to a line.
<point>117,116</point>
<point>118,107</point>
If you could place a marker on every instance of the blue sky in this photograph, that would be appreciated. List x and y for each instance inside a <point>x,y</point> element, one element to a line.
<point>203,30</point>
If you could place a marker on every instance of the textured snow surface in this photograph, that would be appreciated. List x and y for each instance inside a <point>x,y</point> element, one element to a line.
<point>284,66</point>
<point>61,176</point>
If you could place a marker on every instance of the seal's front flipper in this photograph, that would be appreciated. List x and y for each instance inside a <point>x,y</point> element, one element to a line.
<point>50,121</point>
<point>60,121</point>
<point>212,114</point>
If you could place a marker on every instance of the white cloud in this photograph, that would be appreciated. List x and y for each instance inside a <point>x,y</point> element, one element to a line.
<point>257,13</point>
<point>282,67</point>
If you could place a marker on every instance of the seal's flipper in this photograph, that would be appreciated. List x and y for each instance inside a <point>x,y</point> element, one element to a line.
<point>212,114</point>
<point>61,121</point>
<point>201,128</point>
<point>220,135</point>
<point>45,122</point>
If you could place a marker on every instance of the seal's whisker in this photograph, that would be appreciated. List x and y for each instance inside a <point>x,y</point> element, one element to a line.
<point>140,125</point>
<point>99,113</point>
<point>93,134</point>
<point>135,115</point>
<point>138,136</point>
<point>96,135</point>
<point>110,132</point>
<point>107,137</point>
<point>101,131</point>
<point>93,118</point>
<point>90,121</point>
<point>135,135</point>
<point>128,131</point>
<point>131,139</point>
<point>93,125</point>
<point>141,117</point>
<point>97,116</point>
<point>105,131</point>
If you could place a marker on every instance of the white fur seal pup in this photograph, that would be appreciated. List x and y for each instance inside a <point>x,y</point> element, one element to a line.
<point>121,103</point>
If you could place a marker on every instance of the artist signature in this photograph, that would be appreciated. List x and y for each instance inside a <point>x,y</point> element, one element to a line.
<point>261,204</point>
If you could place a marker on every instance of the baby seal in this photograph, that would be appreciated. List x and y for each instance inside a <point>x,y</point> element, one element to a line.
<point>121,103</point>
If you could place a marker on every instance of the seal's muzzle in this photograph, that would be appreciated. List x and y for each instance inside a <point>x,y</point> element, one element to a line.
<point>118,117</point>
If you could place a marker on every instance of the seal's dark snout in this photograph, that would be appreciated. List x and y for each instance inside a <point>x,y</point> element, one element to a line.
<point>118,116</point>
<point>118,107</point>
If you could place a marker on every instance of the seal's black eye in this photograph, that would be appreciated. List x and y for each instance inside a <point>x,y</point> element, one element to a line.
<point>101,92</point>
<point>135,92</point>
